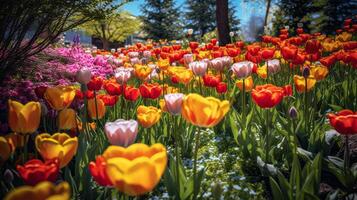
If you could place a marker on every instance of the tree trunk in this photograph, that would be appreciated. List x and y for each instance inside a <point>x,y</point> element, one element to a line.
<point>105,43</point>
<point>267,12</point>
<point>222,22</point>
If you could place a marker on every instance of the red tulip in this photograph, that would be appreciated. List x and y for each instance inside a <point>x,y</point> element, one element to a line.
<point>350,45</point>
<point>312,46</point>
<point>95,83</point>
<point>214,41</point>
<point>233,52</point>
<point>35,171</point>
<point>151,91</point>
<point>344,122</point>
<point>328,61</point>
<point>253,58</point>
<point>288,90</point>
<point>98,170</point>
<point>268,95</point>
<point>221,87</point>
<point>166,49</point>
<point>176,47</point>
<point>299,59</point>
<point>113,88</point>
<point>194,45</point>
<point>211,80</point>
<point>253,49</point>
<point>216,54</point>
<point>108,100</point>
<point>289,52</point>
<point>299,30</point>
<point>89,94</point>
<point>240,44</point>
<point>267,53</point>
<point>131,93</point>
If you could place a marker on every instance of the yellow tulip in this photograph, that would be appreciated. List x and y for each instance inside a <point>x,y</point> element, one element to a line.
<point>137,169</point>
<point>163,64</point>
<point>59,145</point>
<point>24,119</point>
<point>92,110</point>
<point>60,97</point>
<point>277,54</point>
<point>5,149</point>
<point>203,111</point>
<point>300,83</point>
<point>67,119</point>
<point>182,74</point>
<point>344,37</point>
<point>262,72</point>
<point>148,115</point>
<point>319,72</point>
<point>248,83</point>
<point>142,71</point>
<point>163,105</point>
<point>43,190</point>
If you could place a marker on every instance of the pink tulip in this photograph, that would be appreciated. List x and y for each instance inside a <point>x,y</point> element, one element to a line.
<point>83,76</point>
<point>147,54</point>
<point>199,68</point>
<point>122,75</point>
<point>188,58</point>
<point>173,103</point>
<point>242,69</point>
<point>227,61</point>
<point>273,66</point>
<point>121,132</point>
<point>218,64</point>
<point>133,54</point>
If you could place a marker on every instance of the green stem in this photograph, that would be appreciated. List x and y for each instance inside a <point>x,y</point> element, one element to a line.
<point>177,152</point>
<point>243,104</point>
<point>267,145</point>
<point>96,105</point>
<point>305,108</point>
<point>347,154</point>
<point>195,186</point>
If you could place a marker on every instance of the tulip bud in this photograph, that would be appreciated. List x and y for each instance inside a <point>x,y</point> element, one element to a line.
<point>121,132</point>
<point>306,72</point>
<point>83,76</point>
<point>199,68</point>
<point>173,103</point>
<point>8,176</point>
<point>293,113</point>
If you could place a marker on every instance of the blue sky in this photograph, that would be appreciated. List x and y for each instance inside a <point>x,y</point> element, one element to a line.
<point>243,9</point>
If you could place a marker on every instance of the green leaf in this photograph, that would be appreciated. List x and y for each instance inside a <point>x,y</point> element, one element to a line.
<point>234,127</point>
<point>277,194</point>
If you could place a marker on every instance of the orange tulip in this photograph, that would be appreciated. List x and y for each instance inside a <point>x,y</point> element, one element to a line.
<point>59,145</point>
<point>248,83</point>
<point>24,119</point>
<point>137,169</point>
<point>92,108</point>
<point>67,119</point>
<point>43,190</point>
<point>142,71</point>
<point>60,97</point>
<point>319,72</point>
<point>203,111</point>
<point>268,95</point>
<point>300,83</point>
<point>5,149</point>
<point>182,74</point>
<point>148,115</point>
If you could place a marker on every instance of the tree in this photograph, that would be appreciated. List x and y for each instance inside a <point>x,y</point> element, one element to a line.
<point>200,17</point>
<point>222,22</point>
<point>161,19</point>
<point>114,28</point>
<point>29,26</point>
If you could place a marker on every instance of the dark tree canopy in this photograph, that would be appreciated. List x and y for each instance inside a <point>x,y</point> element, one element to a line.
<point>161,19</point>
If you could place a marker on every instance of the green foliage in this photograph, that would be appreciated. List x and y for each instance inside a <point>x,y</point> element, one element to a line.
<point>161,19</point>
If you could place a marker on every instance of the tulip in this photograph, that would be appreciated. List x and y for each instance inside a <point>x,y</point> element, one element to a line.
<point>293,113</point>
<point>95,83</point>
<point>142,71</point>
<point>181,74</point>
<point>151,91</point>
<point>173,103</point>
<point>98,171</point>
<point>137,169</point>
<point>40,91</point>
<point>122,76</point>
<point>131,93</point>
<point>221,87</point>
<point>194,45</point>
<point>188,58</point>
<point>59,145</point>
<point>43,190</point>
<point>217,64</point>
<point>93,108</point>
<point>289,52</point>
<point>203,111</point>
<point>242,69</point>
<point>248,83</point>
<point>24,119</point>
<point>211,80</point>
<point>319,72</point>
<point>148,115</point>
<point>268,95</point>
<point>15,140</point>
<point>121,132</point>
<point>67,119</point>
<point>344,122</point>
<point>80,95</point>
<point>35,171</point>
<point>113,88</point>
<point>60,97</point>
<point>267,53</point>
<point>300,83</point>
<point>312,46</point>
<point>199,68</point>
<point>108,100</point>
<point>5,149</point>
<point>273,66</point>
<point>83,76</point>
